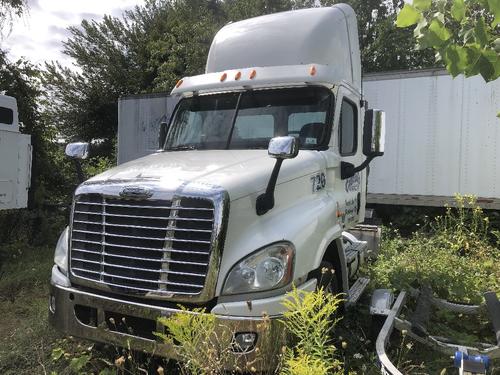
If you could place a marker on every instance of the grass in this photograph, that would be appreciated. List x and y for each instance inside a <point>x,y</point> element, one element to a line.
<point>25,337</point>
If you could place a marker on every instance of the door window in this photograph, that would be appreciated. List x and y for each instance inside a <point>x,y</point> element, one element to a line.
<point>348,128</point>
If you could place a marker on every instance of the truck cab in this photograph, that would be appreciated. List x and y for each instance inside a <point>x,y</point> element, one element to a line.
<point>15,157</point>
<point>260,173</point>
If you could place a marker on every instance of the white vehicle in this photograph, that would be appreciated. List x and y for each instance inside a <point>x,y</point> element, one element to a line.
<point>261,173</point>
<point>15,157</point>
<point>438,125</point>
<point>444,138</point>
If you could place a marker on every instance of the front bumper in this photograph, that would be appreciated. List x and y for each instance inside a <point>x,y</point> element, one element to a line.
<point>87,315</point>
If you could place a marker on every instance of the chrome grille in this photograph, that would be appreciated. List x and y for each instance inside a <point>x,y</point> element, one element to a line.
<point>142,246</point>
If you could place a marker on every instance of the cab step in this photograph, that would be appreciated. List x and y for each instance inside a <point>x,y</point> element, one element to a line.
<point>357,290</point>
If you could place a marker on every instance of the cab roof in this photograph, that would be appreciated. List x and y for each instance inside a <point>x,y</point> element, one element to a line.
<point>325,36</point>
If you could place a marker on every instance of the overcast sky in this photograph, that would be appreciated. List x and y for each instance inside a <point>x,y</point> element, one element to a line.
<point>39,34</point>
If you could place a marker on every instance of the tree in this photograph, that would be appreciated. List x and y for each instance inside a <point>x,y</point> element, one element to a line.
<point>465,34</point>
<point>9,9</point>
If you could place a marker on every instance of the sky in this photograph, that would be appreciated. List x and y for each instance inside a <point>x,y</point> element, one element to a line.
<point>39,34</point>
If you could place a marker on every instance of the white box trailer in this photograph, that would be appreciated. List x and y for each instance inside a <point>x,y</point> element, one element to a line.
<point>139,119</point>
<point>15,157</point>
<point>443,136</point>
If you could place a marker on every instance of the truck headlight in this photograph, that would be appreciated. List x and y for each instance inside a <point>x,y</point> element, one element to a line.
<point>268,268</point>
<point>61,253</point>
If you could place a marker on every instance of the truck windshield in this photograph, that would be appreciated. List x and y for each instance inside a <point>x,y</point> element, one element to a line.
<point>248,120</point>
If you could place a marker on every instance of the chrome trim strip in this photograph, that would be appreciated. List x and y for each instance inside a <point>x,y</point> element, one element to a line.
<point>96,283</point>
<point>103,263</point>
<point>140,238</point>
<point>105,274</point>
<point>143,227</point>
<point>136,206</point>
<point>140,217</point>
<point>139,258</point>
<point>193,274</point>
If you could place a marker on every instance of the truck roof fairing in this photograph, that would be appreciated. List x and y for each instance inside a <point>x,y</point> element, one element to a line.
<point>324,36</point>
<point>317,45</point>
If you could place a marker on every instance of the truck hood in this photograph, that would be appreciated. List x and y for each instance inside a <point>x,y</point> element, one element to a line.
<point>239,172</point>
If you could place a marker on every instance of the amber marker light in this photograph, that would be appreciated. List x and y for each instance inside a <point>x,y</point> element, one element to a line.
<point>312,70</point>
<point>253,73</point>
<point>237,76</point>
<point>223,77</point>
<point>179,83</point>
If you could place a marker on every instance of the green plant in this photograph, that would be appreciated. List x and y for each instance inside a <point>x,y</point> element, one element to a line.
<point>202,345</point>
<point>463,33</point>
<point>455,254</point>
<point>310,319</point>
<point>97,165</point>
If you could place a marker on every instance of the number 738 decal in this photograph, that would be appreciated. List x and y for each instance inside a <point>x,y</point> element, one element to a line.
<point>318,182</point>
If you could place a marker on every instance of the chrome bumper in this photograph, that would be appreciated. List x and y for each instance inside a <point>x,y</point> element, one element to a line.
<point>63,315</point>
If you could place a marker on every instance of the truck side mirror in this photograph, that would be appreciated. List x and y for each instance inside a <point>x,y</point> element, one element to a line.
<point>374,133</point>
<point>283,147</point>
<point>373,142</point>
<point>77,150</point>
<point>163,134</point>
<point>280,148</point>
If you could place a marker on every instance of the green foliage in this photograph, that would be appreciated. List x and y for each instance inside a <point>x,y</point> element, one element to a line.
<point>202,345</point>
<point>309,318</point>
<point>464,34</point>
<point>408,16</point>
<point>455,255</point>
<point>97,165</point>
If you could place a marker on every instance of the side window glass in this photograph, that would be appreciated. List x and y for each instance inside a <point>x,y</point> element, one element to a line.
<point>348,128</point>
<point>6,116</point>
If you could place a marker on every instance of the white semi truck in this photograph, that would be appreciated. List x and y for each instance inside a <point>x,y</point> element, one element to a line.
<point>15,157</point>
<point>444,136</point>
<point>260,175</point>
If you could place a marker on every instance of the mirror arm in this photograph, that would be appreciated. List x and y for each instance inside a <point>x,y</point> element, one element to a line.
<point>265,202</point>
<point>79,170</point>
<point>348,169</point>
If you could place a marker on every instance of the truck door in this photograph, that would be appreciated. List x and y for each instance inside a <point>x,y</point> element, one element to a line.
<point>348,142</point>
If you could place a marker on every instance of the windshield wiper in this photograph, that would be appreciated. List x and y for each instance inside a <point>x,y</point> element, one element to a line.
<point>182,148</point>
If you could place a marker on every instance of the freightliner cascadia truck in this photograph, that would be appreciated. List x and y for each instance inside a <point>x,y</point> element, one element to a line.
<point>258,184</point>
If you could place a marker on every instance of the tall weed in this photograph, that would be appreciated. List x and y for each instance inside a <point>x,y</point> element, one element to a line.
<point>310,319</point>
<point>456,254</point>
<point>205,346</point>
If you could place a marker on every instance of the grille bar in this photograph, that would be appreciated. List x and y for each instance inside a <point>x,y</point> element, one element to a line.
<point>103,263</point>
<point>142,217</point>
<point>139,238</point>
<point>120,286</point>
<point>137,206</point>
<point>141,246</point>
<point>138,258</point>
<point>144,227</point>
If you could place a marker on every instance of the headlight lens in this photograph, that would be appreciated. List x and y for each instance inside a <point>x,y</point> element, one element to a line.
<point>268,268</point>
<point>61,253</point>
